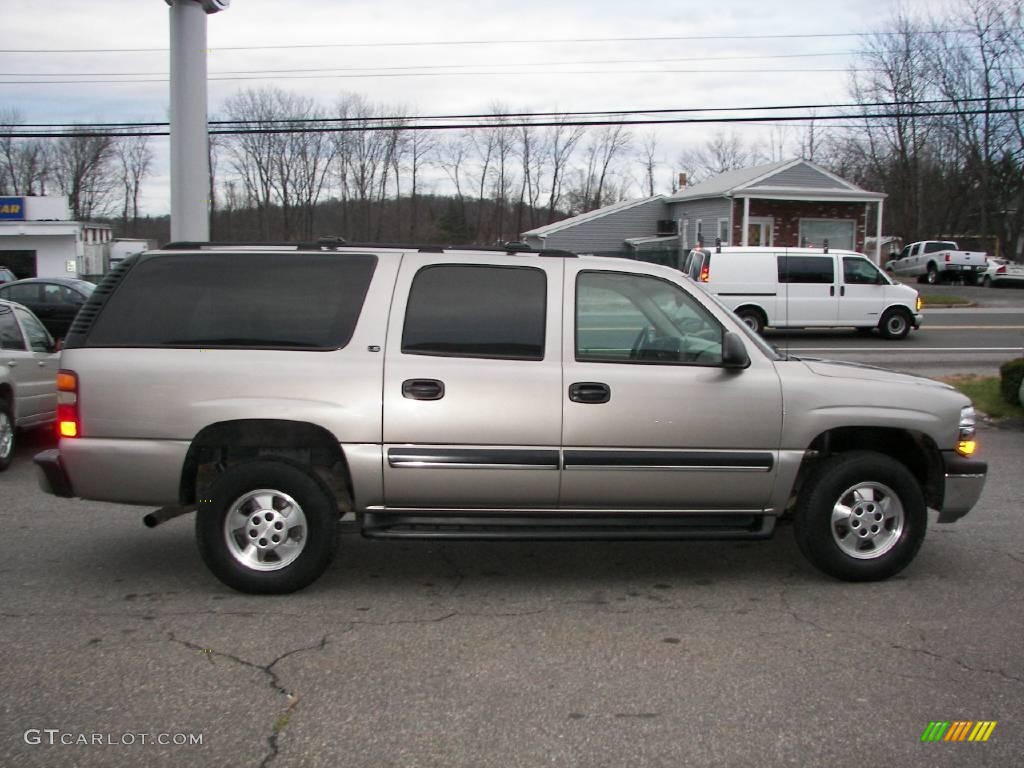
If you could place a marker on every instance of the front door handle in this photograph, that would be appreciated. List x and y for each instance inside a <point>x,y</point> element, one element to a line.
<point>831,290</point>
<point>590,392</point>
<point>423,389</point>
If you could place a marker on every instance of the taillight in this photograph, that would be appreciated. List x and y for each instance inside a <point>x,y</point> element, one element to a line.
<point>68,424</point>
<point>947,257</point>
<point>705,273</point>
<point>1001,270</point>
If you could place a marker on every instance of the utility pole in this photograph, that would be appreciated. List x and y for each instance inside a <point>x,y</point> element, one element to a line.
<point>190,160</point>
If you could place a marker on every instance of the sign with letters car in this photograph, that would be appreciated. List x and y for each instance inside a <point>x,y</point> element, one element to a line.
<point>12,209</point>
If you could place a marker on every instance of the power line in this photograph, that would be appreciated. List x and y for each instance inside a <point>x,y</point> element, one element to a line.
<point>442,66</point>
<point>530,124</point>
<point>530,41</point>
<point>516,73</point>
<point>505,115</point>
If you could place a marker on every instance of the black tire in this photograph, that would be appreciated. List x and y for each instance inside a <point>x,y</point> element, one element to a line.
<point>986,282</point>
<point>932,277</point>
<point>8,434</point>
<point>315,541</point>
<point>895,324</point>
<point>891,487</point>
<point>754,319</point>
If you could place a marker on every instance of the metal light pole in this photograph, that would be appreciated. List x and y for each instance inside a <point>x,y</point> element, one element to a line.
<point>190,160</point>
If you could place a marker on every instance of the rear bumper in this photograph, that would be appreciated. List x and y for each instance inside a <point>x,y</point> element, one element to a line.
<point>50,473</point>
<point>965,479</point>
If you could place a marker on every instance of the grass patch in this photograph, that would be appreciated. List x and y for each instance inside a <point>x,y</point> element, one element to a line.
<point>940,299</point>
<point>984,393</point>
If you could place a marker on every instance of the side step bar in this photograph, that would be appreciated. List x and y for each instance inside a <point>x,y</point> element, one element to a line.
<point>579,526</point>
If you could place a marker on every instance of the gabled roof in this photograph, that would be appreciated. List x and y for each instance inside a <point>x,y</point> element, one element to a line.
<point>757,181</point>
<point>573,221</point>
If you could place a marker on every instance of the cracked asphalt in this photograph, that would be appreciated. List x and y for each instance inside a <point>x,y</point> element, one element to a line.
<point>510,654</point>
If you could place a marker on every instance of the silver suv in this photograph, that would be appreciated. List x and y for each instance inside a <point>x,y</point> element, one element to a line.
<point>451,393</point>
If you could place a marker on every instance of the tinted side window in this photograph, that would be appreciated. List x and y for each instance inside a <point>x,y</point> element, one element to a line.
<point>38,337</point>
<point>10,333</point>
<point>476,311</point>
<point>27,293</point>
<point>806,269</point>
<point>275,300</point>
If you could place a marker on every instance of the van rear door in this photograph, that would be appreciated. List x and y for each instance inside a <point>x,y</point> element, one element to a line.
<point>808,287</point>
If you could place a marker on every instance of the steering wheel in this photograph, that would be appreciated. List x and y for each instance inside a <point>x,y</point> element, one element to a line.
<point>640,342</point>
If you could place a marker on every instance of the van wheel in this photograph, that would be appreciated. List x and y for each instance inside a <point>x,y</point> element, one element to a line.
<point>6,434</point>
<point>267,527</point>
<point>860,517</point>
<point>895,324</point>
<point>753,319</point>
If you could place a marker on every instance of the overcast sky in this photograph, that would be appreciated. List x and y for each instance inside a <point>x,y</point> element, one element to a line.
<point>604,75</point>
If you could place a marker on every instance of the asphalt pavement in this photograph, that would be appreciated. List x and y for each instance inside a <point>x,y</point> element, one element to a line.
<point>505,654</point>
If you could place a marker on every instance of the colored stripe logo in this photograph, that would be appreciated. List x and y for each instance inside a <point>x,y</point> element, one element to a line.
<point>959,730</point>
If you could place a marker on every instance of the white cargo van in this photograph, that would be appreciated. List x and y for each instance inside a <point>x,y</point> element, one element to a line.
<point>805,288</point>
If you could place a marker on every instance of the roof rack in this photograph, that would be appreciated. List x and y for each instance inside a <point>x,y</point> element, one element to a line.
<point>333,243</point>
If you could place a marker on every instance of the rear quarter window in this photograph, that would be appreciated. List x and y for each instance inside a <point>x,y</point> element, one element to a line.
<point>270,300</point>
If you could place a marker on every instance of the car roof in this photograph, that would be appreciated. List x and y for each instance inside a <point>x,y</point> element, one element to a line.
<point>58,280</point>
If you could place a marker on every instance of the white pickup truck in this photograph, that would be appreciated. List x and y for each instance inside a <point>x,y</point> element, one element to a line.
<point>936,261</point>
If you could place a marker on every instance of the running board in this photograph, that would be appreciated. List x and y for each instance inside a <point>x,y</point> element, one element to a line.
<point>579,526</point>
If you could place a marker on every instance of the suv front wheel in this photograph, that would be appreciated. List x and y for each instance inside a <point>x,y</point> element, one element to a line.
<point>267,527</point>
<point>860,517</point>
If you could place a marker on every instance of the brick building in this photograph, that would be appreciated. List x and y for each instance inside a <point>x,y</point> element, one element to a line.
<point>786,204</point>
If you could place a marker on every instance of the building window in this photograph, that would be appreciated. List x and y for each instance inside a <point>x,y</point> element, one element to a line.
<point>838,232</point>
<point>723,231</point>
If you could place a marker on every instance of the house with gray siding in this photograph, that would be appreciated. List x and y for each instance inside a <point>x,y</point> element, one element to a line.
<point>607,231</point>
<point>790,203</point>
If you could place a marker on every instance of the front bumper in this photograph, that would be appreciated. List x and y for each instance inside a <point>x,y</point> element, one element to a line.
<point>52,476</point>
<point>965,479</point>
<point>918,319</point>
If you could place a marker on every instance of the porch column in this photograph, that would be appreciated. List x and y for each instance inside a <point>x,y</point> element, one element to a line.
<point>746,219</point>
<point>878,246</point>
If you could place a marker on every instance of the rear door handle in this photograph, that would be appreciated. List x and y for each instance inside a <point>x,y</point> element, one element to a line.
<point>831,290</point>
<point>423,389</point>
<point>590,392</point>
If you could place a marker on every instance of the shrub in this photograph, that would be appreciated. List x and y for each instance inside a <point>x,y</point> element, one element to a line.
<point>1010,375</point>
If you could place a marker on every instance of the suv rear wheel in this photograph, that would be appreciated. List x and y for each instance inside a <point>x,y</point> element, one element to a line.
<point>267,527</point>
<point>860,517</point>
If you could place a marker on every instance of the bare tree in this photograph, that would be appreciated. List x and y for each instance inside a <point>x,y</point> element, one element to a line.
<point>134,162</point>
<point>24,163</point>
<point>560,143</point>
<point>83,167</point>
<point>722,152</point>
<point>648,155</point>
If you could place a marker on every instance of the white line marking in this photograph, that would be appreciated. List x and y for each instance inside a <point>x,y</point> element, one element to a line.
<point>900,349</point>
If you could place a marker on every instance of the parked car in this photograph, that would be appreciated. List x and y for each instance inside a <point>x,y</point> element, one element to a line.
<point>805,288</point>
<point>455,393</point>
<point>1009,274</point>
<point>6,275</point>
<point>54,300</point>
<point>28,376</point>
<point>992,264</point>
<point>936,261</point>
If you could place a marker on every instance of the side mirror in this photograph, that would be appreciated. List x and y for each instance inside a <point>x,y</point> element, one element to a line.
<point>734,353</point>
